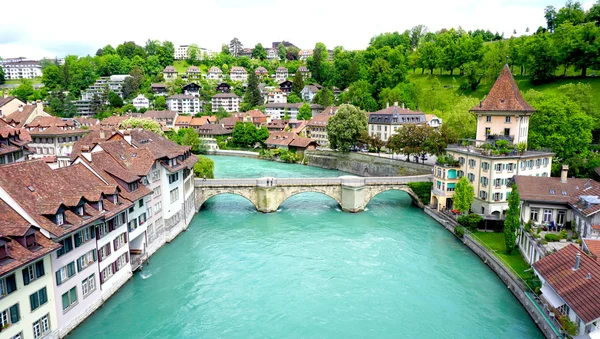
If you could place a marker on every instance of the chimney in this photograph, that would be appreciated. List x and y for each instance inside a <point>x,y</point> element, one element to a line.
<point>589,276</point>
<point>563,173</point>
<point>20,108</point>
<point>577,262</point>
<point>396,103</point>
<point>402,105</point>
<point>387,104</point>
<point>39,106</point>
<point>5,94</point>
<point>480,104</point>
<point>102,135</point>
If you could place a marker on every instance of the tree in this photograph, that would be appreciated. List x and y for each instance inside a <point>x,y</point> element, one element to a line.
<point>360,94</point>
<point>166,53</point>
<point>114,100</point>
<point>25,91</point>
<point>324,97</point>
<point>463,195</point>
<point>189,137</point>
<point>297,83</point>
<point>252,97</point>
<point>593,14</point>
<point>160,103</point>
<point>204,168</point>
<point>572,12</point>
<point>374,142</point>
<point>293,98</point>
<point>147,124</point>
<point>235,47</point>
<point>542,60</point>
<point>2,76</point>
<point>193,54</point>
<point>550,15</point>
<point>512,221</point>
<point>259,52</point>
<point>281,51</point>
<point>315,63</point>
<point>304,113</point>
<point>416,35</point>
<point>345,127</point>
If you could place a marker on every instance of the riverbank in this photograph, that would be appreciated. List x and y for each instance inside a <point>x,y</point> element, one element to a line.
<point>510,279</point>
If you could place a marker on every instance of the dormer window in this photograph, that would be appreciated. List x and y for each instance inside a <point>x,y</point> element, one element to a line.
<point>60,219</point>
<point>100,205</point>
<point>116,198</point>
<point>552,192</point>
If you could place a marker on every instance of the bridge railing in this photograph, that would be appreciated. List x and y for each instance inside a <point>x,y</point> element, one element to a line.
<point>311,181</point>
<point>397,180</point>
<point>227,182</point>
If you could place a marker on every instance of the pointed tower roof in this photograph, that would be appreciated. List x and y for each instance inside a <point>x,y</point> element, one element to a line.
<point>504,96</point>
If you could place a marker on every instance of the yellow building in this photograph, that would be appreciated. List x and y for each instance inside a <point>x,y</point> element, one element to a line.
<point>491,161</point>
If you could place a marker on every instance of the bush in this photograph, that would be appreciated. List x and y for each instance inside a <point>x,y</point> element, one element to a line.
<point>204,167</point>
<point>551,237</point>
<point>575,236</point>
<point>569,326</point>
<point>528,226</point>
<point>470,221</point>
<point>422,190</point>
<point>289,156</point>
<point>563,234</point>
<point>459,231</point>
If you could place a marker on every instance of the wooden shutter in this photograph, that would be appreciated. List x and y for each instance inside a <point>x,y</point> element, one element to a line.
<point>127,257</point>
<point>102,277</point>
<point>115,243</point>
<point>25,276</point>
<point>39,268</point>
<point>95,255</point>
<point>14,313</point>
<point>58,279</point>
<point>125,236</point>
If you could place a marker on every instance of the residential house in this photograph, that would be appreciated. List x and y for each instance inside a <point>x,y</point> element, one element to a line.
<point>9,104</point>
<point>385,122</point>
<point>276,125</point>
<point>272,54</point>
<point>183,121</point>
<point>264,91</point>
<point>245,52</point>
<point>159,89</point>
<point>278,111</point>
<point>304,54</point>
<point>191,89</point>
<point>305,72</point>
<point>290,141</point>
<point>169,73</point>
<point>229,122</point>
<point>193,73</point>
<point>277,97</point>
<point>336,92</point>
<point>504,106</point>
<point>223,88</point>
<point>209,132</point>
<point>585,204</point>
<point>27,305</point>
<point>52,139</point>
<point>24,114</point>
<point>214,73</point>
<point>316,128</point>
<point>297,126</point>
<point>22,69</point>
<point>166,118</point>
<point>254,116</point>
<point>230,102</point>
<point>571,287</point>
<point>286,86</point>
<point>13,144</point>
<point>261,72</point>
<point>184,103</point>
<point>86,122</point>
<point>281,74</point>
<point>433,120</point>
<point>238,73</point>
<point>140,102</point>
<point>309,92</point>
<point>199,121</point>
<point>591,246</point>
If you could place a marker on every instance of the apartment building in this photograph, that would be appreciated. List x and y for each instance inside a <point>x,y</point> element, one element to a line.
<point>99,90</point>
<point>52,139</point>
<point>184,103</point>
<point>277,111</point>
<point>385,122</point>
<point>214,73</point>
<point>238,73</point>
<point>169,73</point>
<point>22,69</point>
<point>13,144</point>
<point>140,102</point>
<point>165,118</point>
<point>488,167</point>
<point>316,127</point>
<point>230,102</point>
<point>281,74</point>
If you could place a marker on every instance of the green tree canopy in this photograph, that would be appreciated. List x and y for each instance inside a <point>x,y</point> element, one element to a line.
<point>297,83</point>
<point>345,127</point>
<point>304,113</point>
<point>513,219</point>
<point>147,124</point>
<point>259,52</point>
<point>463,195</point>
<point>204,168</point>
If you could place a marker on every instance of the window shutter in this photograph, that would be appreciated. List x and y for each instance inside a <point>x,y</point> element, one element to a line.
<point>125,236</point>
<point>95,255</point>
<point>39,268</point>
<point>98,232</point>
<point>92,233</point>
<point>77,239</point>
<point>115,267</point>
<point>58,281</point>
<point>14,313</point>
<point>43,296</point>
<point>25,276</point>
<point>115,244</point>
<point>79,265</point>
<point>108,249</point>
<point>126,257</point>
<point>33,301</point>
<point>102,277</point>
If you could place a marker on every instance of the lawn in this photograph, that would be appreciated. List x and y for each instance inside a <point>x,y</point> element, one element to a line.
<point>18,81</point>
<point>495,241</point>
<point>181,66</point>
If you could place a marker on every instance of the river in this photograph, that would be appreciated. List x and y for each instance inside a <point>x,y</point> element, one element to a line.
<point>311,271</point>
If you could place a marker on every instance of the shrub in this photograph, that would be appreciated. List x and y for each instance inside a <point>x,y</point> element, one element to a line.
<point>470,221</point>
<point>459,231</point>
<point>544,242</point>
<point>289,156</point>
<point>528,226</point>
<point>204,167</point>
<point>551,237</point>
<point>563,234</point>
<point>422,190</point>
<point>569,326</point>
<point>575,236</point>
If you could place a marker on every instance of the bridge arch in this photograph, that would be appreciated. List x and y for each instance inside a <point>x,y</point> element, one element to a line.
<point>376,190</point>
<point>287,194</point>
<point>205,194</point>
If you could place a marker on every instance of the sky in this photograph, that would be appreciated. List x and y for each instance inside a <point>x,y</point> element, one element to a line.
<point>63,27</point>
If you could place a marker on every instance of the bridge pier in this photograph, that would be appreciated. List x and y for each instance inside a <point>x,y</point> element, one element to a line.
<point>353,198</point>
<point>266,199</point>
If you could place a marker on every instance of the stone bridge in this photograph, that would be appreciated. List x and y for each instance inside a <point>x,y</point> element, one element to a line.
<point>352,193</point>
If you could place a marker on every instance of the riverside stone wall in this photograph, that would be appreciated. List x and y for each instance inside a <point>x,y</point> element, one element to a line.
<point>364,165</point>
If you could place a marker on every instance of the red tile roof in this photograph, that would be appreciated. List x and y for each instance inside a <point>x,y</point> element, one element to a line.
<point>539,188</point>
<point>593,246</point>
<point>504,96</point>
<point>573,286</point>
<point>589,188</point>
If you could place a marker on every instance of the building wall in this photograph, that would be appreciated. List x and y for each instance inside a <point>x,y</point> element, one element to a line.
<point>519,126</point>
<point>229,104</point>
<point>21,296</point>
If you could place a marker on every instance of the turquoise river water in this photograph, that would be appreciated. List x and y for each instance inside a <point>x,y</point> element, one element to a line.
<point>311,271</point>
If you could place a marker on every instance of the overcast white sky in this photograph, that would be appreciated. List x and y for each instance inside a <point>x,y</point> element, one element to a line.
<point>61,27</point>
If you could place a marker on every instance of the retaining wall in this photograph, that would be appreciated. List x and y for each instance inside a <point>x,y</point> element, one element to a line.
<point>364,165</point>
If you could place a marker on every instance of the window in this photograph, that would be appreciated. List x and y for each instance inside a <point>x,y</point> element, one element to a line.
<point>484,181</point>
<point>104,251</point>
<point>461,160</point>
<point>158,207</point>
<point>8,285</point>
<point>80,210</point>
<point>131,209</point>
<point>538,162</point>
<point>533,215</point>
<point>507,119</point>
<point>483,195</point>
<point>173,178</point>
<point>119,241</point>
<point>60,219</point>
<point>106,273</point>
<point>498,167</point>
<point>132,186</point>
<point>510,166</point>
<point>69,299</point>
<point>497,196</point>
<point>84,236</point>
<point>471,177</point>
<point>488,118</point>
<point>132,225</point>
<point>41,327</point>
<point>156,192</point>
<point>472,163</point>
<point>86,260</point>
<point>122,261</point>
<point>547,215</point>
<point>142,218</point>
<point>10,316</point>
<point>88,285</point>
<point>174,195</point>
<point>33,271</point>
<point>67,246</point>
<point>546,162</point>
<point>17,336</point>
<point>497,182</point>
<point>38,299</point>
<point>485,166</point>
<point>488,131</point>
<point>65,272</point>
<point>507,131</point>
<point>149,211</point>
<point>460,174</point>
<point>100,205</point>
